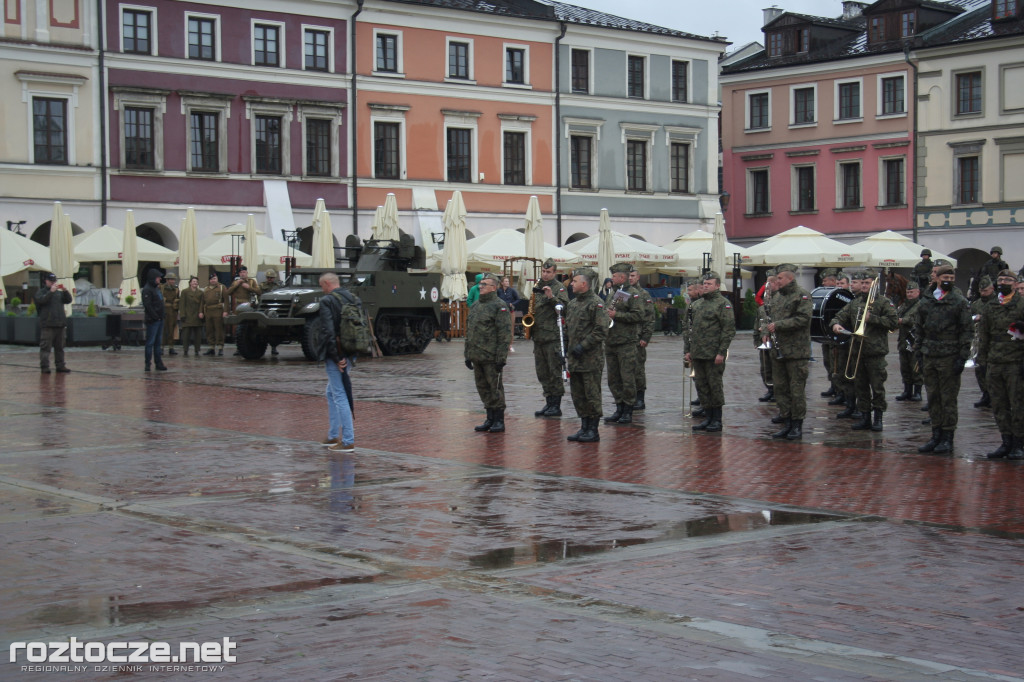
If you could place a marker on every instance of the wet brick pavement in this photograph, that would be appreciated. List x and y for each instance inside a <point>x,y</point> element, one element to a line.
<point>192,506</point>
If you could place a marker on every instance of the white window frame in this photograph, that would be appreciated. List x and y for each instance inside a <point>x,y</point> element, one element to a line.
<point>841,183</point>
<point>590,70</point>
<point>216,34</point>
<point>153,28</point>
<point>448,78</point>
<point>44,85</point>
<point>583,127</point>
<point>464,120</point>
<point>746,110</point>
<point>330,46</point>
<point>792,105</point>
<point>638,132</point>
<point>518,124</point>
<point>836,120</point>
<point>281,51</point>
<point>157,102</point>
<point>286,112</point>
<point>880,95</point>
<point>526,84</point>
<point>200,103</point>
<point>394,114</point>
<point>400,54</point>
<point>794,199</point>
<point>336,116</point>
<point>750,189</point>
<point>883,181</point>
<point>647,75</point>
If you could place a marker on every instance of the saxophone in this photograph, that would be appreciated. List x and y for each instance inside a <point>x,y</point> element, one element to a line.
<point>528,317</point>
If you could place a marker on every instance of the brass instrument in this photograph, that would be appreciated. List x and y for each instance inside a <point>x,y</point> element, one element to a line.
<point>972,360</point>
<point>773,339</point>
<point>508,270</point>
<point>858,335</point>
<point>528,317</point>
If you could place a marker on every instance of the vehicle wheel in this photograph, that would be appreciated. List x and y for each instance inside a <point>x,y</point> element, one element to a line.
<point>251,344</point>
<point>311,338</point>
<point>385,339</point>
<point>425,329</point>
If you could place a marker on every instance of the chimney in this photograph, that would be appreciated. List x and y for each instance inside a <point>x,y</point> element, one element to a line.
<point>770,13</point>
<point>853,9</point>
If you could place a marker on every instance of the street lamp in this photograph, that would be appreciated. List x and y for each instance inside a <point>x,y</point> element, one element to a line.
<point>723,200</point>
<point>15,226</point>
<point>437,238</point>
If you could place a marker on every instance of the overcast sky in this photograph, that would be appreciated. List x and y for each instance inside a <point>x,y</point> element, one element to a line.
<point>738,20</point>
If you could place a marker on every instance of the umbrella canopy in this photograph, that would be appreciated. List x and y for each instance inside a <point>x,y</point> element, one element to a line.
<point>105,243</point>
<point>454,255</point>
<point>62,252</point>
<point>323,236</point>
<point>646,256</point>
<point>803,246</point>
<point>488,252</point>
<point>388,228</point>
<point>534,237</point>
<point>250,254</point>
<point>892,250</point>
<point>129,261</point>
<point>188,249</point>
<point>690,249</point>
<point>217,249</point>
<point>18,253</point>
<point>605,246</point>
<point>378,220</point>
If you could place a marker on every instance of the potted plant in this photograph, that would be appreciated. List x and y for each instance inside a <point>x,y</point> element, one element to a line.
<point>26,326</point>
<point>87,330</point>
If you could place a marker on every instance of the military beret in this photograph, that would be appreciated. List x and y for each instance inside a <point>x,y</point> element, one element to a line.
<point>632,269</point>
<point>940,261</point>
<point>785,267</point>
<point>711,274</point>
<point>841,275</point>
<point>861,274</point>
<point>213,275</point>
<point>621,267</point>
<point>589,273</point>
<point>549,263</point>
<point>828,272</point>
<point>242,268</point>
<point>945,269</point>
<point>926,252</point>
<point>912,284</point>
<point>985,282</point>
<point>996,249</point>
<point>1007,273</point>
<point>693,282</point>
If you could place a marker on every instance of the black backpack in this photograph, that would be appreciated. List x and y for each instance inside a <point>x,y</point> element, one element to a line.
<point>353,332</point>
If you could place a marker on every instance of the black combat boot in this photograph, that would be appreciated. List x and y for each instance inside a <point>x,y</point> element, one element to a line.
<point>499,420</point>
<point>840,399</point>
<point>849,412</point>
<point>211,351</point>
<point>716,420</point>
<point>709,417</point>
<point>590,435</point>
<point>986,400</point>
<point>1004,449</point>
<point>916,398</point>
<point>779,419</point>
<point>640,404</point>
<point>583,428</point>
<point>698,413</point>
<point>784,432</point>
<point>796,431</point>
<point>865,421</point>
<point>876,425</point>
<point>1017,449</point>
<point>933,443</point>
<point>945,445</point>
<point>614,416</point>
<point>543,411</point>
<point>829,393</point>
<point>627,414</point>
<point>487,422</point>
<point>768,397</point>
<point>555,408</point>
<point>695,401</point>
<point>908,391</point>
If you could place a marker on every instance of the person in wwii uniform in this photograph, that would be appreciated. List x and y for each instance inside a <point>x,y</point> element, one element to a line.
<point>871,372</point>
<point>547,350</point>
<point>1003,354</point>
<point>791,310</point>
<point>587,325</point>
<point>910,371</point>
<point>943,331</point>
<point>488,335</point>
<point>620,346</point>
<point>189,305</point>
<point>213,311</point>
<point>714,327</point>
<point>986,292</point>
<point>694,290</point>
<point>243,289</point>
<point>646,332</point>
<point>170,292</point>
<point>270,284</point>
<point>922,271</point>
<point>50,300</point>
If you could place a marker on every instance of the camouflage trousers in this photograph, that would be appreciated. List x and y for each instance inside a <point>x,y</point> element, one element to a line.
<point>826,359</point>
<point>790,382</point>
<point>548,363</point>
<point>1006,386</point>
<point>489,385</point>
<point>942,377</point>
<point>869,385</point>
<point>641,368</point>
<point>708,382</point>
<point>622,370</point>
<point>907,372</point>
<point>842,384</point>
<point>170,324</point>
<point>981,374</point>
<point>586,393</point>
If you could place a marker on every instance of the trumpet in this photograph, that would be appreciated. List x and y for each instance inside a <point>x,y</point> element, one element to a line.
<point>858,335</point>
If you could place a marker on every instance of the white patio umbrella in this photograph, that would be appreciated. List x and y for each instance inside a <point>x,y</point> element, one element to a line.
<point>646,256</point>
<point>389,228</point>
<point>104,245</point>
<point>62,254</point>
<point>488,252</point>
<point>217,249</point>
<point>892,250</point>
<point>690,249</point>
<point>534,237</point>
<point>803,246</point>
<point>250,257</point>
<point>323,237</point>
<point>454,255</point>
<point>129,261</point>
<point>605,248</point>
<point>19,253</point>
<point>188,249</point>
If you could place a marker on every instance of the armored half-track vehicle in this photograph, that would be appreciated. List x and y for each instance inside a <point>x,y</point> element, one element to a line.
<point>404,306</point>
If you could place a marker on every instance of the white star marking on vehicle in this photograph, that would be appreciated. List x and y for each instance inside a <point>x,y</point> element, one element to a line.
<point>423,294</point>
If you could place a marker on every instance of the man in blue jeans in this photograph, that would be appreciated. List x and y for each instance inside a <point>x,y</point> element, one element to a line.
<point>340,435</point>
<point>153,305</point>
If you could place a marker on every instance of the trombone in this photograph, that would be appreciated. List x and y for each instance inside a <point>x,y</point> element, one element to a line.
<point>859,333</point>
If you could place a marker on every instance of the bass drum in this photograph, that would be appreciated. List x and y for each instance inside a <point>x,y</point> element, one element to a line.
<point>828,301</point>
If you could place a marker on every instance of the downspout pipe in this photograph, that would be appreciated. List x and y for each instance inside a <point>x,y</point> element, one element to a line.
<point>913,147</point>
<point>353,128</point>
<point>558,135</point>
<point>102,97</point>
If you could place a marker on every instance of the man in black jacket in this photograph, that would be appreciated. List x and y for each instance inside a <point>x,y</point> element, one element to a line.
<point>153,305</point>
<point>50,300</point>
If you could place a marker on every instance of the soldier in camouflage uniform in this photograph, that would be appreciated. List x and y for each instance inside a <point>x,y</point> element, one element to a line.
<point>846,395</point>
<point>1003,354</point>
<point>620,346</point>
<point>714,327</point>
<point>923,271</point>
<point>828,279</point>
<point>943,331</point>
<point>910,371</point>
<point>990,269</point>
<point>791,310</point>
<point>646,332</point>
<point>488,335</point>
<point>547,351</point>
<point>760,329</point>
<point>587,326</point>
<point>169,289</point>
<point>871,371</point>
<point>986,293</point>
<point>694,290</point>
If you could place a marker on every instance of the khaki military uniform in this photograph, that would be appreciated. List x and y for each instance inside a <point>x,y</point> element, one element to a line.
<point>908,371</point>
<point>189,304</point>
<point>1003,355</point>
<point>869,383</point>
<point>240,294</point>
<point>646,332</point>
<point>943,330</point>
<point>488,335</point>
<point>547,359</point>
<point>791,310</point>
<point>587,325</point>
<point>621,344</point>
<point>170,294</point>
<point>214,305</point>
<point>714,327</point>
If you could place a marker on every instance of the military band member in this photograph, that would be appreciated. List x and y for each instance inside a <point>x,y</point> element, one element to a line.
<point>871,371</point>
<point>170,292</point>
<point>620,346</point>
<point>546,339</point>
<point>646,332</point>
<point>910,370</point>
<point>986,292</point>
<point>694,290</point>
<point>764,355</point>
<point>190,303</point>
<point>845,394</point>
<point>791,310</point>
<point>587,325</point>
<point>488,335</point>
<point>942,333</point>
<point>990,269</point>
<point>213,310</point>
<point>828,279</point>
<point>1003,354</point>
<point>922,271</point>
<point>714,327</point>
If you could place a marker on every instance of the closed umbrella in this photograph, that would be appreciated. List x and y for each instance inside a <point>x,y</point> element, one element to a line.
<point>188,249</point>
<point>129,261</point>
<point>250,254</point>
<point>534,235</point>
<point>718,248</point>
<point>389,220</point>
<point>453,258</point>
<point>605,248</point>
<point>378,221</point>
<point>62,256</point>
<point>323,237</point>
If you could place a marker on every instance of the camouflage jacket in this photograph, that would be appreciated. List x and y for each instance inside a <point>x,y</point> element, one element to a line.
<point>791,309</point>
<point>881,320</point>
<point>628,317</point>
<point>545,326</point>
<point>488,330</point>
<point>905,315</point>
<point>587,325</point>
<point>647,305</point>
<point>995,345</point>
<point>944,327</point>
<point>922,272</point>
<point>170,292</point>
<point>978,306</point>
<point>714,327</point>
